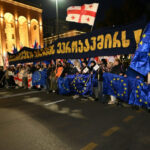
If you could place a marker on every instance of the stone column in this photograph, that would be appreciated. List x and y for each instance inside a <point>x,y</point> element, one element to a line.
<point>3,35</point>
<point>29,30</point>
<point>41,31</point>
<point>17,31</point>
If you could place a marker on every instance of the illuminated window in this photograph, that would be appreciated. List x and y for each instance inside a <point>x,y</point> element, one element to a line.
<point>9,31</point>
<point>13,36</point>
<point>35,34</point>
<point>23,31</point>
<point>35,27</point>
<point>12,25</point>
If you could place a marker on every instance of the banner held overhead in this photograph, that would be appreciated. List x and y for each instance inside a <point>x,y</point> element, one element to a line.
<point>103,42</point>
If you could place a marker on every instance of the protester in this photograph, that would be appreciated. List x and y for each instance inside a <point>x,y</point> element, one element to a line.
<point>53,79</point>
<point>101,70</point>
<point>10,77</point>
<point>85,68</point>
<point>94,75</point>
<point>116,69</point>
<point>2,77</point>
<point>48,78</point>
<point>59,69</point>
<point>24,72</point>
<point>73,69</point>
<point>66,70</point>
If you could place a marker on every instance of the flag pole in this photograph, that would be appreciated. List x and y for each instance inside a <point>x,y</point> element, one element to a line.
<point>92,28</point>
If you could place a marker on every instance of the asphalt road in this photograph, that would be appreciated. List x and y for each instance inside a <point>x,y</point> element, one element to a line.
<point>34,120</point>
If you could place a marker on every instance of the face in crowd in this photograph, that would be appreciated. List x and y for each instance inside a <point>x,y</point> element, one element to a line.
<point>109,65</point>
<point>92,64</point>
<point>83,64</point>
<point>116,62</point>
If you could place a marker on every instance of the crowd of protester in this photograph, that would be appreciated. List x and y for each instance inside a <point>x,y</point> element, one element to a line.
<point>62,69</point>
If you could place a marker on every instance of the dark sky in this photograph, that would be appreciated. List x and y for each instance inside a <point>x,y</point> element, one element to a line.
<point>49,7</point>
<point>129,13</point>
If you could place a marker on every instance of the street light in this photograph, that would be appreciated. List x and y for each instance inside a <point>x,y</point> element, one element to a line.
<point>57,17</point>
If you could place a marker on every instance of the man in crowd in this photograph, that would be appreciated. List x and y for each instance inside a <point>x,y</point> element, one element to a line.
<point>84,68</point>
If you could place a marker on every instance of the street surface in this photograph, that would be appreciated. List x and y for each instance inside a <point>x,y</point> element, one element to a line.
<point>34,120</point>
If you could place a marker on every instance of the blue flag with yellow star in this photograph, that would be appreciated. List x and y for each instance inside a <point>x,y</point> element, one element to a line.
<point>117,86</point>
<point>75,84</point>
<point>140,94</point>
<point>141,60</point>
<point>43,77</point>
<point>39,78</point>
<point>63,85</point>
<point>81,84</point>
<point>36,78</point>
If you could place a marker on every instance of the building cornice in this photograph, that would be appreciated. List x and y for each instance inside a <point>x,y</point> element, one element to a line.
<point>22,5</point>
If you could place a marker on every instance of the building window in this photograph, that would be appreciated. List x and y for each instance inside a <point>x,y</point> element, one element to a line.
<point>12,25</point>
<point>34,27</point>
<point>13,36</point>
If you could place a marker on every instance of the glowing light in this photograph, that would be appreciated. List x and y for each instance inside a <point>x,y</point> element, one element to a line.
<point>4,53</point>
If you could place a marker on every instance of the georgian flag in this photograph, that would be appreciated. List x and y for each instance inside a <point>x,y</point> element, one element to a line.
<point>82,14</point>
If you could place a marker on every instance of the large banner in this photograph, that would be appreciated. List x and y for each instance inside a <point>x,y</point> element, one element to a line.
<point>104,42</point>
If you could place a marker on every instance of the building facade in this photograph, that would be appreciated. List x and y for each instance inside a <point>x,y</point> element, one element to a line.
<point>20,25</point>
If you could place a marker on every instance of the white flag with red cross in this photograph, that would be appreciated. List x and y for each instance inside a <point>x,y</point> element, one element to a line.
<point>82,14</point>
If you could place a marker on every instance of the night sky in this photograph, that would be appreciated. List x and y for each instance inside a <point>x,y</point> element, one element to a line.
<point>110,12</point>
<point>49,8</point>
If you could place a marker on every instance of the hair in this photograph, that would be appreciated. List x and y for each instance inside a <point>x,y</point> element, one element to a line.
<point>104,62</point>
<point>118,61</point>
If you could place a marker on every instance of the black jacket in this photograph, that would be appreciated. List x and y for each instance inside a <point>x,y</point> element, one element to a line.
<point>116,69</point>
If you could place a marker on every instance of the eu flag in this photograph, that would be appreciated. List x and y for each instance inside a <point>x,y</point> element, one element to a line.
<point>63,85</point>
<point>36,78</point>
<point>82,84</point>
<point>117,86</point>
<point>43,77</point>
<point>140,94</point>
<point>141,60</point>
<point>75,84</point>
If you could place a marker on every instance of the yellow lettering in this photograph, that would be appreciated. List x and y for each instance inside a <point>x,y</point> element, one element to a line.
<point>93,47</point>
<point>80,46</point>
<point>68,49</point>
<point>59,48</point>
<point>125,42</point>
<point>52,50</point>
<point>100,44</point>
<point>137,36</point>
<point>116,42</point>
<point>63,48</point>
<point>74,46</point>
<point>87,45</point>
<point>108,41</point>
